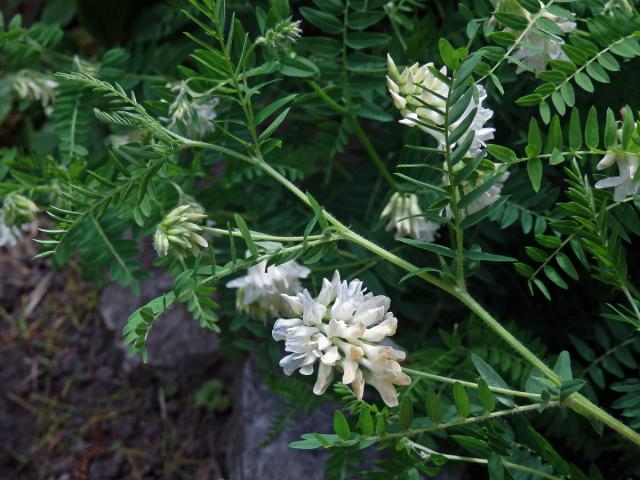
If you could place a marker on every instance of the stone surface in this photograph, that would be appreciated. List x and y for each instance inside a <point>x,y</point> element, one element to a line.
<point>176,339</point>
<point>247,460</point>
<point>254,407</point>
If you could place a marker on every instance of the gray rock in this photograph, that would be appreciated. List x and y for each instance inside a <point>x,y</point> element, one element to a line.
<point>176,339</point>
<point>253,410</point>
<point>255,406</point>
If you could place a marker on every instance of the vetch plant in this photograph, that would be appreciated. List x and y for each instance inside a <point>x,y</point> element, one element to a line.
<point>505,225</point>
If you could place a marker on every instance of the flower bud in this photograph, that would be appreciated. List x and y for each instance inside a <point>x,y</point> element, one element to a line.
<point>179,230</point>
<point>18,209</point>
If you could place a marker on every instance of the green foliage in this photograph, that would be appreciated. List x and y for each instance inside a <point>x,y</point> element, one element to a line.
<point>263,131</point>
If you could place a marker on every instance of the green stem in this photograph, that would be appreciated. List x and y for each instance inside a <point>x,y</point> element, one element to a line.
<point>358,131</point>
<point>373,154</point>
<point>576,400</point>
<point>484,461</point>
<point>502,391</point>
<point>455,197</point>
<point>632,301</point>
<point>527,354</point>
<point>262,236</point>
<point>463,421</point>
<point>516,44</point>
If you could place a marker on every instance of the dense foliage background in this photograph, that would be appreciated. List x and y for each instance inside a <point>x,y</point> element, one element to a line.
<point>326,123</point>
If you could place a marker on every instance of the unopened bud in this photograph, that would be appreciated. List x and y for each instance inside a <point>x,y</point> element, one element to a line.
<point>178,229</point>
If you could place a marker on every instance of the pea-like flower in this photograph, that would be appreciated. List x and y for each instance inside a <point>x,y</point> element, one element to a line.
<point>260,290</point>
<point>16,215</point>
<point>419,92</point>
<point>341,329</point>
<point>10,234</point>
<point>178,229</point>
<point>538,48</point>
<point>32,85</point>
<point>191,110</point>
<point>18,209</point>
<point>625,184</point>
<point>407,218</point>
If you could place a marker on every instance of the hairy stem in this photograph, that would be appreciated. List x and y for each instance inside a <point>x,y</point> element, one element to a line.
<point>425,452</point>
<point>464,421</point>
<point>262,236</point>
<point>576,401</point>
<point>358,131</point>
<point>502,391</point>
<point>454,197</point>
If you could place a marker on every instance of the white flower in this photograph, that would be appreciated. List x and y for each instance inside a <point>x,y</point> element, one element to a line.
<point>482,174</point>
<point>206,115</point>
<point>259,291</point>
<point>624,184</point>
<point>490,196</point>
<point>406,217</point>
<point>32,85</point>
<point>195,111</point>
<point>178,229</point>
<point>418,93</point>
<point>117,140</point>
<point>10,235</point>
<point>538,48</point>
<point>340,329</point>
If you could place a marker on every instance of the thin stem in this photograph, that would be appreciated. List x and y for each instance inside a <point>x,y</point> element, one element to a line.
<point>576,400</point>
<point>516,44</point>
<point>373,154</point>
<point>262,236</point>
<point>327,99</point>
<point>464,421</point>
<point>552,256</point>
<point>457,458</point>
<point>632,301</point>
<point>454,199</point>
<point>502,391</point>
<point>588,63</point>
<point>524,352</point>
<point>358,131</point>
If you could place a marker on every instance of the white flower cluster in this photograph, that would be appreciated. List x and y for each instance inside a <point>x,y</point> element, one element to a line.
<point>627,182</point>
<point>10,234</point>
<point>341,330</point>
<point>193,110</point>
<point>32,85</point>
<point>538,48</point>
<point>178,229</point>
<point>490,196</point>
<point>16,215</point>
<point>259,291</point>
<point>419,94</point>
<point>406,217</point>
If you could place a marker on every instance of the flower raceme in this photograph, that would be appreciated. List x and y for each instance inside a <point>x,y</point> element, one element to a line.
<point>406,217</point>
<point>626,183</point>
<point>482,174</point>
<point>10,234</point>
<point>419,92</point>
<point>18,209</point>
<point>16,215</point>
<point>341,329</point>
<point>538,48</point>
<point>178,229</point>
<point>260,290</point>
